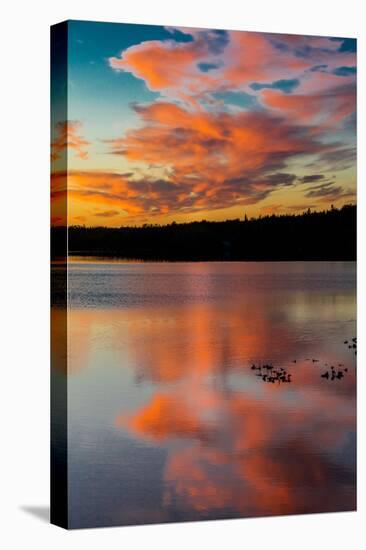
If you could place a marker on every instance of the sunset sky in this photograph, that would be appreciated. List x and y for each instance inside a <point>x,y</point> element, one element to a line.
<point>168,124</point>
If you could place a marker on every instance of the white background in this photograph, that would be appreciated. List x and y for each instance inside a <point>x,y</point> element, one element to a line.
<point>24,359</point>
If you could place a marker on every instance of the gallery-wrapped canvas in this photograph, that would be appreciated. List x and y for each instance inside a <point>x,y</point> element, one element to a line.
<point>203,274</point>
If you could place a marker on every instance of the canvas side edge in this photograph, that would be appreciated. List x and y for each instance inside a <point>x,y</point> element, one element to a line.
<point>59,424</point>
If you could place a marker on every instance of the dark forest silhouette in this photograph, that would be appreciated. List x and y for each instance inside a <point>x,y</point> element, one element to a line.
<point>326,235</point>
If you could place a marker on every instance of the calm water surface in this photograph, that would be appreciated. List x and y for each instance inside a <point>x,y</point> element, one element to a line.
<point>168,422</point>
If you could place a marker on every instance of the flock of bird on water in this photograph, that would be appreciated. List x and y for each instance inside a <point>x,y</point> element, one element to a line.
<point>268,373</point>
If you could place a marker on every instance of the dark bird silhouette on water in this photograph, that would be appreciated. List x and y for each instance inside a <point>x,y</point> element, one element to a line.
<point>333,374</point>
<point>272,374</point>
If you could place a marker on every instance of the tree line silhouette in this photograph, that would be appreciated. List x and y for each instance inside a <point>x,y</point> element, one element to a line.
<point>326,235</point>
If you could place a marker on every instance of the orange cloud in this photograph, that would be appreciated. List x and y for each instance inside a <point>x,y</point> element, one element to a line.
<point>214,160</point>
<point>253,57</point>
<point>235,60</point>
<point>209,143</point>
<point>171,66</point>
<point>211,161</point>
<point>97,188</point>
<point>160,64</point>
<point>252,462</point>
<point>325,108</point>
<point>166,416</point>
<point>67,136</point>
<point>211,155</point>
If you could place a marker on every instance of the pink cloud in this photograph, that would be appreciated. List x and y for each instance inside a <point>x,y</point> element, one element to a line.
<point>172,68</point>
<point>327,107</point>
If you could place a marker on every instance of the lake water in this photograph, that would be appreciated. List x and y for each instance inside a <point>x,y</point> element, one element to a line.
<point>167,421</point>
